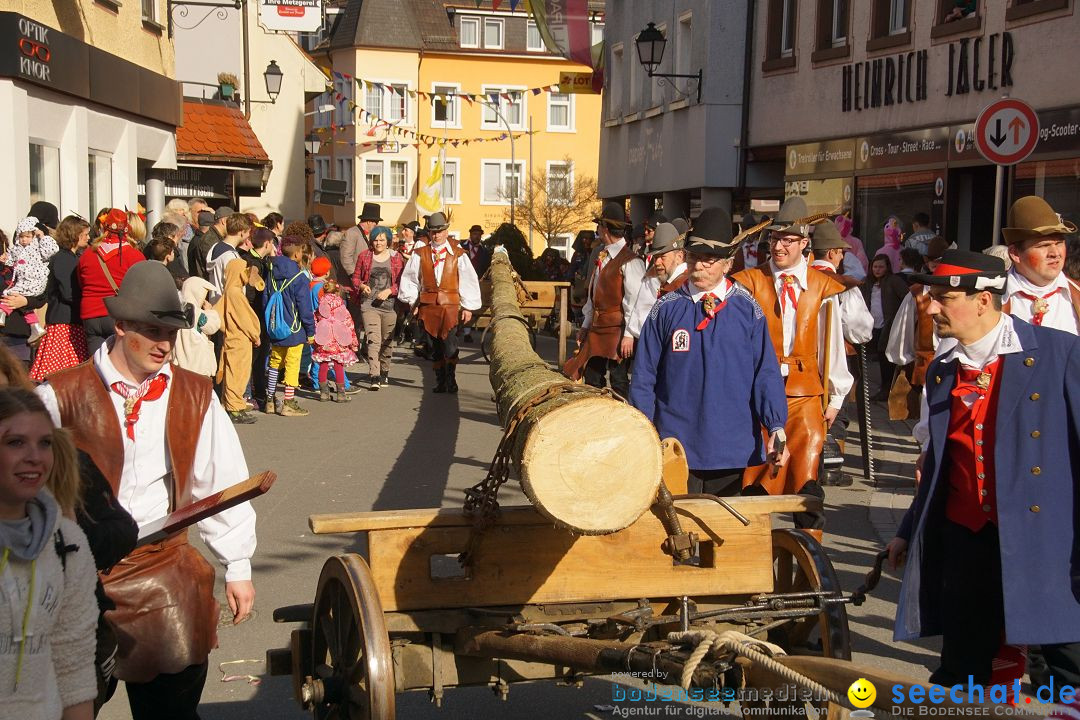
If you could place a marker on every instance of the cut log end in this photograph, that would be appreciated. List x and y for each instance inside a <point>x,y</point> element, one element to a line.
<point>592,466</point>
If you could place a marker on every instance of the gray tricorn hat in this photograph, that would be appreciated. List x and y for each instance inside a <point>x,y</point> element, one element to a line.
<point>148,295</point>
<point>666,239</point>
<point>437,221</point>
<point>826,236</point>
<point>791,218</point>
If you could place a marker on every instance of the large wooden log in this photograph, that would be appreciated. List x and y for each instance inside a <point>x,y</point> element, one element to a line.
<point>586,461</point>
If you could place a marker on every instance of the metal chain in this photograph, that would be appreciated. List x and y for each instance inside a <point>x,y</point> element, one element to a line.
<point>481,500</point>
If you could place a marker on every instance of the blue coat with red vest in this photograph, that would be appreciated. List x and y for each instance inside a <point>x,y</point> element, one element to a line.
<point>1037,472</point>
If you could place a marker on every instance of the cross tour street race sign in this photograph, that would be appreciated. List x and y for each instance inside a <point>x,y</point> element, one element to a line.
<point>1006,131</point>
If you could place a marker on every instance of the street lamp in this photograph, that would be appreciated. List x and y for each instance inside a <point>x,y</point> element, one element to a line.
<point>312,144</point>
<point>650,47</point>
<point>273,77</point>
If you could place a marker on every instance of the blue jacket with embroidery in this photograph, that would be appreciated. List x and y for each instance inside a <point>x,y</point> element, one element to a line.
<point>713,389</point>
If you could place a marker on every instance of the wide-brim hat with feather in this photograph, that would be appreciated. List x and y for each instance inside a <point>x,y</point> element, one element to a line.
<point>712,235</point>
<point>1032,217</point>
<point>148,295</point>
<point>793,218</point>
<point>666,238</point>
<point>437,221</point>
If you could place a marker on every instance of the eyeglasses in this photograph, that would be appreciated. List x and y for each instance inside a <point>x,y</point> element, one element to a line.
<point>785,241</point>
<point>30,48</point>
<point>702,259</point>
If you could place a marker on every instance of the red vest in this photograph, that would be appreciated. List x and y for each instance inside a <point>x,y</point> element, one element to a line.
<point>970,445</point>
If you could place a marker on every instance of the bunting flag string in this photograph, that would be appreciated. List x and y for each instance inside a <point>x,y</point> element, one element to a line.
<point>401,91</point>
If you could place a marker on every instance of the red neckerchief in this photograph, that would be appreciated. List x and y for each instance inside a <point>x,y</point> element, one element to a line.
<point>787,291</point>
<point>969,380</point>
<point>151,389</point>
<point>711,305</point>
<point>1039,306</point>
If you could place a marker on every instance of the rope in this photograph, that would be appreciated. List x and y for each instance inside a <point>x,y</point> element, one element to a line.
<point>748,647</point>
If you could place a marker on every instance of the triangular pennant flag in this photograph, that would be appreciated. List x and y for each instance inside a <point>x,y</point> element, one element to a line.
<point>468,99</point>
<point>553,88</point>
<point>454,143</point>
<point>513,5</point>
<point>505,96</point>
<point>495,4</point>
<point>412,94</point>
<point>494,98</point>
<point>537,91</point>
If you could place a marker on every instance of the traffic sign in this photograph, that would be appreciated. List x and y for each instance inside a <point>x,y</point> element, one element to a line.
<point>1006,131</point>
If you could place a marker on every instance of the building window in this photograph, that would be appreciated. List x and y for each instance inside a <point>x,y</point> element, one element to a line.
<point>470,32</point>
<point>781,31</point>
<point>597,33</point>
<point>839,23</point>
<point>343,99</point>
<point>450,176</point>
<point>560,182</point>
<point>562,244</point>
<point>831,41</point>
<point>45,174</point>
<point>373,100</point>
<point>445,106</point>
<point>493,33</point>
<point>101,194</point>
<point>509,101</point>
<point>344,172</point>
<point>373,179</point>
<point>637,75</point>
<point>149,10</point>
<point>560,112</point>
<point>1020,9</point>
<point>898,16</point>
<point>615,82</point>
<point>533,41</point>
<point>684,43</point>
<point>398,103</point>
<point>500,181</point>
<point>323,119</point>
<point>399,179</point>
<point>322,172</point>
<point>787,28</point>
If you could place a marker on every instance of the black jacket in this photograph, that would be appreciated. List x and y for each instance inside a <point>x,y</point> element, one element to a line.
<point>893,290</point>
<point>62,290</point>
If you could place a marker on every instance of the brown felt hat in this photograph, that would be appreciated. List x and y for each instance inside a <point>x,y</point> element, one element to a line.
<point>613,215</point>
<point>791,218</point>
<point>148,295</point>
<point>1032,217</point>
<point>826,236</point>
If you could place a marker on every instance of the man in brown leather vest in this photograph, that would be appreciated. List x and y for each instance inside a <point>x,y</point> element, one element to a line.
<point>162,439</point>
<point>804,323</point>
<point>604,352</point>
<point>440,277</point>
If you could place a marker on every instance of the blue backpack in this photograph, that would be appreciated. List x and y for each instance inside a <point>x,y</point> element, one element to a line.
<point>278,327</point>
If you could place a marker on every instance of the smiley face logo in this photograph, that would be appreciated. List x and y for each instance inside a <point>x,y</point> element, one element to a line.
<point>862,693</point>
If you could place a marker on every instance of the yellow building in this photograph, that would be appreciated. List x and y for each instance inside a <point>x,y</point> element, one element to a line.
<point>90,105</point>
<point>413,73</point>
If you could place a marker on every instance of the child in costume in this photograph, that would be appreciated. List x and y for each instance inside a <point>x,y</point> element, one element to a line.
<point>240,327</point>
<point>28,257</point>
<point>335,339</point>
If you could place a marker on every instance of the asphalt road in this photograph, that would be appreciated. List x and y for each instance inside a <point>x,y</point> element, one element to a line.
<point>404,447</point>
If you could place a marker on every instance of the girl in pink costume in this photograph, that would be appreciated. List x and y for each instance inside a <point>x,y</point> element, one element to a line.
<point>845,225</point>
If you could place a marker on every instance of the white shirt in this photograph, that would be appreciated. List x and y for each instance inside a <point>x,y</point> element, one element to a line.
<point>468,283</point>
<point>900,350</point>
<point>875,306</point>
<point>144,481</point>
<point>633,273</point>
<point>1061,314</point>
<point>853,268</point>
<point>839,382</point>
<point>855,318</point>
<point>721,291</point>
<point>1001,340</point>
<point>645,299</point>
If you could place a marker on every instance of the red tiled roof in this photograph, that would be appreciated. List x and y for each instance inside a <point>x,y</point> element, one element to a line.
<point>217,131</point>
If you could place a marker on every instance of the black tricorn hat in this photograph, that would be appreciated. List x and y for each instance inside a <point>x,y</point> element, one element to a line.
<point>965,270</point>
<point>711,234</point>
<point>148,295</point>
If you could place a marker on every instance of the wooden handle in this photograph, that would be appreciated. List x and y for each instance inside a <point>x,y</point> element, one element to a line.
<point>159,529</point>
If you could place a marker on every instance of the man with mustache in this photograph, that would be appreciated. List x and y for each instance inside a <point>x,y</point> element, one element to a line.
<point>162,439</point>
<point>666,273</point>
<point>705,371</point>
<point>993,523</point>
<point>800,304</point>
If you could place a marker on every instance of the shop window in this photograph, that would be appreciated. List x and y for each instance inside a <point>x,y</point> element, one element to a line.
<point>1020,9</point>
<point>781,31</point>
<point>956,16</point>
<point>1053,180</point>
<point>879,197</point>
<point>100,167</point>
<point>833,19</point>
<point>890,24</point>
<point>45,174</point>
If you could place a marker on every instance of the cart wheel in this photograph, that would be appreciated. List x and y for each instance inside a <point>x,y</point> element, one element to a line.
<point>800,565</point>
<point>350,647</point>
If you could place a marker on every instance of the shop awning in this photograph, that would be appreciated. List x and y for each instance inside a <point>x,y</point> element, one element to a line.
<point>216,135</point>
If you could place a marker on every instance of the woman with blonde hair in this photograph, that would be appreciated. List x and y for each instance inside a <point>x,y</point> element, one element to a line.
<point>47,603</point>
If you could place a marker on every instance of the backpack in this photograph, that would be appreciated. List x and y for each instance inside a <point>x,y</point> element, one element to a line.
<point>277,327</point>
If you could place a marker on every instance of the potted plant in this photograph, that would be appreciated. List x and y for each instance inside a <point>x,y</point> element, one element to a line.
<point>227,84</point>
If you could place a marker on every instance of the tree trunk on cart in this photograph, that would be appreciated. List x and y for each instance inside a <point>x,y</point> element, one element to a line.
<point>585,460</point>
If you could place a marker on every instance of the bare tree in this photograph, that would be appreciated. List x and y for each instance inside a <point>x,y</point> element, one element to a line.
<point>557,201</point>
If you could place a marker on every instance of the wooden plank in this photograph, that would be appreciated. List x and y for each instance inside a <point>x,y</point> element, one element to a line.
<point>541,564</point>
<point>523,515</point>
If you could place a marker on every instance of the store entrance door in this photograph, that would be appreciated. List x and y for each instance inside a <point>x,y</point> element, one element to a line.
<point>970,211</point>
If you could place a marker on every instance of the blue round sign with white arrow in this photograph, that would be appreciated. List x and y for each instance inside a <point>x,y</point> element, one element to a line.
<point>1006,131</point>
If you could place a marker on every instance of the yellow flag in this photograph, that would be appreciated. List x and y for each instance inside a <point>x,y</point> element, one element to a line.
<point>429,199</point>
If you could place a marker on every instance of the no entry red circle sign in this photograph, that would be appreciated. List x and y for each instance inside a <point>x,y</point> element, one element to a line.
<point>1006,131</point>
